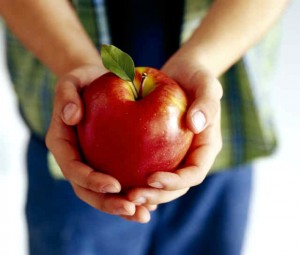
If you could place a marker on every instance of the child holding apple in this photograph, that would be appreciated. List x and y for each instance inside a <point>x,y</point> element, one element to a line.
<point>201,208</point>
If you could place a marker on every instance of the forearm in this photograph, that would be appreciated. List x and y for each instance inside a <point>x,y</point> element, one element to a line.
<point>230,28</point>
<point>51,30</point>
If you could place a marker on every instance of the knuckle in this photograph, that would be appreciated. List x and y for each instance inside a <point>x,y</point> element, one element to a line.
<point>89,184</point>
<point>184,191</point>
<point>66,87</point>
<point>151,207</point>
<point>200,178</point>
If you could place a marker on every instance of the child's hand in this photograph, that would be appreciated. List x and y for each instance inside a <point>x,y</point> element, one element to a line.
<point>203,119</point>
<point>97,189</point>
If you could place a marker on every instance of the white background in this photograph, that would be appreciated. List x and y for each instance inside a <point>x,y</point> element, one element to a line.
<point>274,226</point>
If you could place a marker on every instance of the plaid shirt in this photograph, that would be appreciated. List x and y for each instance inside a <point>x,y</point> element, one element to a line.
<point>246,120</point>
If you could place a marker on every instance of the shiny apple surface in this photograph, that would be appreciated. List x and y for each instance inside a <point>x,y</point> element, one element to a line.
<point>130,138</point>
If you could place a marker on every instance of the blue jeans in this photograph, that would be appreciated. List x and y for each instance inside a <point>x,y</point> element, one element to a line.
<point>210,219</point>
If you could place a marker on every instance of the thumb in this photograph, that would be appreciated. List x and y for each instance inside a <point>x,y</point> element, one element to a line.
<point>68,103</point>
<point>71,114</point>
<point>196,120</point>
<point>204,110</point>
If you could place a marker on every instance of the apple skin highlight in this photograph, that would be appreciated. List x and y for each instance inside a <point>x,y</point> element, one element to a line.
<point>129,138</point>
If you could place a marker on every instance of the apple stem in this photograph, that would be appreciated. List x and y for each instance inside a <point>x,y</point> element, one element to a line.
<point>144,76</point>
<point>134,90</point>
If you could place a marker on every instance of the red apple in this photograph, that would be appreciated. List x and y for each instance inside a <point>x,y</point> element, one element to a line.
<point>130,138</point>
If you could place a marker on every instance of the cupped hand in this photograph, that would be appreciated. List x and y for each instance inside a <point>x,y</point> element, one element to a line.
<point>203,119</point>
<point>99,190</point>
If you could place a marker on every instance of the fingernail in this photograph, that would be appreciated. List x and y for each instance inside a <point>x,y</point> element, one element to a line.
<point>69,111</point>
<point>139,201</point>
<point>109,188</point>
<point>199,121</point>
<point>157,185</point>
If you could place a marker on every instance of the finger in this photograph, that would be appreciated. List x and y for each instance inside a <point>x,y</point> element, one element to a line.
<point>68,103</point>
<point>68,158</point>
<point>150,196</point>
<point>189,176</point>
<point>67,99</point>
<point>204,149</point>
<point>207,92</point>
<point>61,140</point>
<point>151,207</point>
<point>112,204</point>
<point>142,215</point>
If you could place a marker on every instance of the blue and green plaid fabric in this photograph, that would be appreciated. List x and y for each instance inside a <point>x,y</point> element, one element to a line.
<point>247,127</point>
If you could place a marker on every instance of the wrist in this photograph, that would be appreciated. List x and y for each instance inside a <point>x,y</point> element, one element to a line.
<point>185,63</point>
<point>75,61</point>
<point>204,56</point>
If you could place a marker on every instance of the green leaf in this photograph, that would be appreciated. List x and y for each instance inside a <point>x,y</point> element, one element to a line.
<point>118,62</point>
